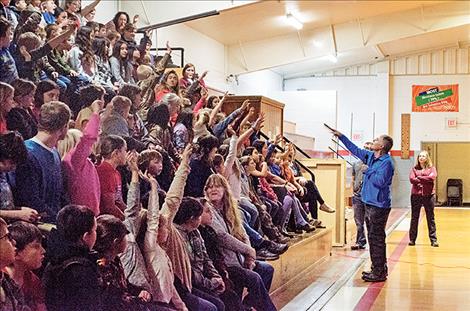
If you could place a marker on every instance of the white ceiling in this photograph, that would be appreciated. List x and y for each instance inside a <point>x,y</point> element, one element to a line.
<point>257,37</point>
<point>451,37</point>
<point>265,19</point>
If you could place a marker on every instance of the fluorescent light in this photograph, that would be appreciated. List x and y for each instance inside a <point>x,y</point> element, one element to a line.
<point>332,58</point>
<point>294,22</point>
<point>317,44</point>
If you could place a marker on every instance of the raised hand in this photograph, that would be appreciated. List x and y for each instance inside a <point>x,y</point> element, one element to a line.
<point>259,123</point>
<point>334,131</point>
<point>97,106</point>
<point>135,20</point>
<point>204,74</point>
<point>187,152</point>
<point>25,53</point>
<point>245,104</point>
<point>168,47</point>
<point>204,92</point>
<point>131,159</point>
<point>230,131</point>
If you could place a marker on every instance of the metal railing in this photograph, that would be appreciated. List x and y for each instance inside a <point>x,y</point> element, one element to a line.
<point>337,143</point>
<point>178,21</point>
<point>174,49</point>
<point>261,134</point>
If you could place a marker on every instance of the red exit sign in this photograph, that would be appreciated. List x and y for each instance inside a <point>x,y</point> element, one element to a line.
<point>451,122</point>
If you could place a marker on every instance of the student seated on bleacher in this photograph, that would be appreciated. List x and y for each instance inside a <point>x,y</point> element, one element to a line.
<point>12,153</point>
<point>12,299</point>
<point>7,63</point>
<point>21,117</point>
<point>39,181</point>
<point>29,257</point>
<point>71,277</point>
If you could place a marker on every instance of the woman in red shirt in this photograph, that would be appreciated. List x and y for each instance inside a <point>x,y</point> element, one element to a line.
<point>422,177</point>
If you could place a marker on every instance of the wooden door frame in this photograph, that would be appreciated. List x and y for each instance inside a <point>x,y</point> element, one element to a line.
<point>434,155</point>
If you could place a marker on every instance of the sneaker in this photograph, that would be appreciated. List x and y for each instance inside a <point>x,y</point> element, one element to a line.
<point>434,244</point>
<point>411,243</point>
<point>326,208</point>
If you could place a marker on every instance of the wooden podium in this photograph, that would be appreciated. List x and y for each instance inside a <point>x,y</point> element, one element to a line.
<point>273,110</point>
<point>330,178</point>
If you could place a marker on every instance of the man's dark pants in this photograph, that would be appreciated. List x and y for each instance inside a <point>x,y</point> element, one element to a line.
<point>376,220</point>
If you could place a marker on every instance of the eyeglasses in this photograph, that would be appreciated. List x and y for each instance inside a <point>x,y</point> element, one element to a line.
<point>8,236</point>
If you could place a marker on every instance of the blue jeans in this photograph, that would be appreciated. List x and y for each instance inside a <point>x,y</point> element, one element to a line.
<point>209,298</point>
<point>62,81</point>
<point>255,238</point>
<point>194,300</point>
<point>258,282</point>
<point>250,208</point>
<point>359,219</point>
<point>299,217</point>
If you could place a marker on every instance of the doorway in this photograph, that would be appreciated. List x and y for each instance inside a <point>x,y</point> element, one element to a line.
<point>452,160</point>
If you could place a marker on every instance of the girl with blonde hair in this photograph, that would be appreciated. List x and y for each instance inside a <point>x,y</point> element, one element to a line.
<point>422,178</point>
<point>243,268</point>
<point>228,206</point>
<point>6,104</point>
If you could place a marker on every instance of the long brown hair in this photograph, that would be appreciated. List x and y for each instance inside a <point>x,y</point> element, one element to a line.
<point>427,164</point>
<point>230,210</point>
<point>164,85</point>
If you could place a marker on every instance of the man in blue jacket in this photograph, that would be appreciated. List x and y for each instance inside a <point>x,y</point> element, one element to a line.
<point>376,195</point>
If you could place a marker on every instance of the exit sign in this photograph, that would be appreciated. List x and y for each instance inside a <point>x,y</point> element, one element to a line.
<point>358,136</point>
<point>451,123</point>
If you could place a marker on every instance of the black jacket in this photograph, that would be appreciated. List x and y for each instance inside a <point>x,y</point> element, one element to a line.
<point>18,119</point>
<point>71,276</point>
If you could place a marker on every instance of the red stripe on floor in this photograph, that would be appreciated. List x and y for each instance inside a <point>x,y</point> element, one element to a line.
<point>373,291</point>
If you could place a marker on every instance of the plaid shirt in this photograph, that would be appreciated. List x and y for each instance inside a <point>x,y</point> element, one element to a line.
<point>203,269</point>
<point>117,292</point>
<point>7,67</point>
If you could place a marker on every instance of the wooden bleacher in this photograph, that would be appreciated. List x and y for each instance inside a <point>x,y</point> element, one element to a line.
<point>309,250</point>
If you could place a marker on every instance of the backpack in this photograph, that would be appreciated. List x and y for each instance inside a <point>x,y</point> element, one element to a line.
<point>55,294</point>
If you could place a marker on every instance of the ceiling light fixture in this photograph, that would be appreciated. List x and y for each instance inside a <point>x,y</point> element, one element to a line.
<point>293,21</point>
<point>332,58</point>
<point>317,44</point>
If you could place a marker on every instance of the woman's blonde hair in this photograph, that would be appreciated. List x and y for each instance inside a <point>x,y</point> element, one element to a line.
<point>428,162</point>
<point>230,210</point>
<point>6,90</point>
<point>69,142</point>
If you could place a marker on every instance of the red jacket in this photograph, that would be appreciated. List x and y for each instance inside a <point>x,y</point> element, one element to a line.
<point>422,181</point>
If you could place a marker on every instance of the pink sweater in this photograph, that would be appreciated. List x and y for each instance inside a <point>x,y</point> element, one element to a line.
<point>422,181</point>
<point>81,175</point>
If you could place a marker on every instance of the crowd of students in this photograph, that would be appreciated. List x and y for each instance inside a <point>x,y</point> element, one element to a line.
<point>158,200</point>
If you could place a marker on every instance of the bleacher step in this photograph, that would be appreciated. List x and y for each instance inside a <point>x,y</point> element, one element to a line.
<point>300,258</point>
